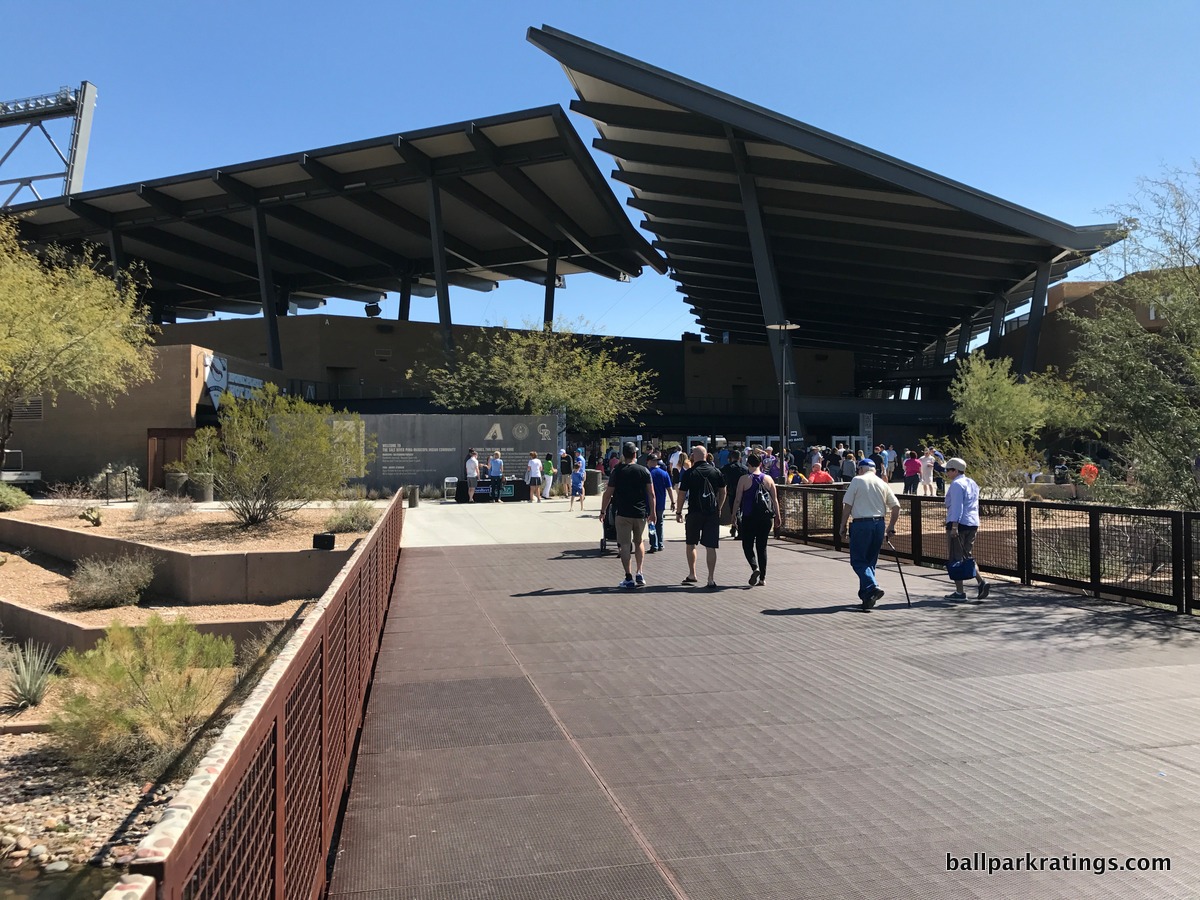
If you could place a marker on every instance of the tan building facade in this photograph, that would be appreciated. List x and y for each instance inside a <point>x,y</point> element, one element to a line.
<point>74,439</point>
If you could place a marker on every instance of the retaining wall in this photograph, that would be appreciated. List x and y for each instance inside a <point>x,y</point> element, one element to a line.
<point>251,577</point>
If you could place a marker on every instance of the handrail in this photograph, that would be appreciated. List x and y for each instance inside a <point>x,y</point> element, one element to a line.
<point>257,817</point>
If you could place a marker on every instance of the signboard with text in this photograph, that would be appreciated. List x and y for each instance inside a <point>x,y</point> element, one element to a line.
<point>426,449</point>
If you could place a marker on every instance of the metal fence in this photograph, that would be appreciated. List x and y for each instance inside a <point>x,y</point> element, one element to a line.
<point>1145,555</point>
<point>264,827</point>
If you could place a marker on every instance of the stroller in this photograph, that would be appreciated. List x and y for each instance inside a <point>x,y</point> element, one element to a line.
<point>610,528</point>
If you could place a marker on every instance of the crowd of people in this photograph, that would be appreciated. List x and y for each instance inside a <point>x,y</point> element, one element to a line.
<point>738,489</point>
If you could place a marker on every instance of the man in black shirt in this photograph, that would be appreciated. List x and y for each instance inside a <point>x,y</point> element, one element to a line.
<point>631,489</point>
<point>732,473</point>
<point>704,488</point>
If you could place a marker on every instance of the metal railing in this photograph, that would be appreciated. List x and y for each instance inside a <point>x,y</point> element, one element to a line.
<point>1145,555</point>
<point>261,824</point>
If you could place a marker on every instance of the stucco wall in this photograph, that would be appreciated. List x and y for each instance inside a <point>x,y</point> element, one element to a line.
<point>194,577</point>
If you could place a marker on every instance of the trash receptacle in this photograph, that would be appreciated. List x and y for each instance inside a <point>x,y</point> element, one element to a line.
<point>414,495</point>
<point>591,482</point>
<point>449,488</point>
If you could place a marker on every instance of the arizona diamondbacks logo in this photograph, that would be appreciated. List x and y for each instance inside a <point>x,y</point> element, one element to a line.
<point>520,431</point>
<point>494,433</point>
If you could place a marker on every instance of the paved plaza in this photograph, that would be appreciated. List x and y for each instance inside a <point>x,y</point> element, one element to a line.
<point>535,732</point>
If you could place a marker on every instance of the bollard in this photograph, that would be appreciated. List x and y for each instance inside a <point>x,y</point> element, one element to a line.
<point>414,495</point>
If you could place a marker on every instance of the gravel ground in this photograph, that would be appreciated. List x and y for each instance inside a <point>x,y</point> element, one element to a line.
<point>50,817</point>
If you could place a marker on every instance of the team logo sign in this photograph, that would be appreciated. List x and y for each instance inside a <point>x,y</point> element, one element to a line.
<point>520,431</point>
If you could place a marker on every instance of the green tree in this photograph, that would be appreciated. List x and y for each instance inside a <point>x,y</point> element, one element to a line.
<point>66,326</point>
<point>1002,417</point>
<point>275,454</point>
<point>537,371</point>
<point>1139,354</point>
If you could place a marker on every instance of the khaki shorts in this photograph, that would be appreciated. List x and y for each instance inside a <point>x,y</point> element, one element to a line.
<point>630,530</point>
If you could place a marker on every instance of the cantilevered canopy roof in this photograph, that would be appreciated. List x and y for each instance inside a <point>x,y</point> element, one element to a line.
<point>868,252</point>
<point>354,220</point>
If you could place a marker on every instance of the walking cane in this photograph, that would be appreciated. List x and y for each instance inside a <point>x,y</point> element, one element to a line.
<point>900,569</point>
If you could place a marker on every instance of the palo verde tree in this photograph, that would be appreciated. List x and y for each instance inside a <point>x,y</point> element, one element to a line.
<point>1139,354</point>
<point>65,325</point>
<point>275,454</point>
<point>1002,417</point>
<point>538,371</point>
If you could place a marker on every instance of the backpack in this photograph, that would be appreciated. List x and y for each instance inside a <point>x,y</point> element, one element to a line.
<point>762,507</point>
<point>706,503</point>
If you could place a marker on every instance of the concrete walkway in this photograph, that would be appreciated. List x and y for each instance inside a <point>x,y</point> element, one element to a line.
<point>534,732</point>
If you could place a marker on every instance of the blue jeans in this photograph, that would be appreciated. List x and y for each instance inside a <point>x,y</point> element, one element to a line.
<point>866,538</point>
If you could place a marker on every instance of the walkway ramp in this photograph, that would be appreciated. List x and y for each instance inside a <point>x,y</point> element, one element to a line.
<point>534,732</point>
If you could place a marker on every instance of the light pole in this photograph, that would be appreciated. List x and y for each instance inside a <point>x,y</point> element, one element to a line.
<point>784,341</point>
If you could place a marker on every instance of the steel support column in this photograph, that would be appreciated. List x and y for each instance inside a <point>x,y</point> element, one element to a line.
<point>551,280</point>
<point>266,288</point>
<point>964,336</point>
<point>1037,311</point>
<point>437,236</point>
<point>405,310</point>
<point>999,308</point>
<point>769,295</point>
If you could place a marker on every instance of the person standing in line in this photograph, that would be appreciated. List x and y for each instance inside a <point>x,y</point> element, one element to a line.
<point>631,488</point>
<point>756,522</point>
<point>926,487</point>
<point>566,465</point>
<point>849,466</point>
<point>819,475</point>
<point>547,475</point>
<point>704,489</point>
<point>912,471</point>
<point>661,479</point>
<point>732,472</point>
<point>866,502</point>
<point>472,467</point>
<point>770,462</point>
<point>533,477</point>
<point>496,475</point>
<point>962,524</point>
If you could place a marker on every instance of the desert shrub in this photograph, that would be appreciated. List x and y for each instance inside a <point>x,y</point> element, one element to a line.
<point>70,497</point>
<point>101,583</point>
<point>113,487</point>
<point>134,702</point>
<point>431,492</point>
<point>357,516</point>
<point>29,669</point>
<point>12,498</point>
<point>386,493</point>
<point>372,494</point>
<point>92,515</point>
<point>158,505</point>
<point>353,492</point>
<point>274,454</point>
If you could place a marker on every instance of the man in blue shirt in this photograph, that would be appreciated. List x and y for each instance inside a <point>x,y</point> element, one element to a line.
<point>496,475</point>
<point>662,492</point>
<point>962,523</point>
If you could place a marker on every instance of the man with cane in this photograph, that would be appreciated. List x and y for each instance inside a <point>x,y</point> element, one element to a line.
<point>962,523</point>
<point>868,499</point>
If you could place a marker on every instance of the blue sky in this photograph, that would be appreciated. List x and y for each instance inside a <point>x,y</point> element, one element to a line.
<point>1058,106</point>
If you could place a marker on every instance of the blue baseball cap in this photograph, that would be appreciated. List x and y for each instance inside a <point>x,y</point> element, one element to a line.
<point>866,463</point>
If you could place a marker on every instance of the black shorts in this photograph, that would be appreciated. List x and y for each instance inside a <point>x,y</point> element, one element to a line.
<point>703,530</point>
